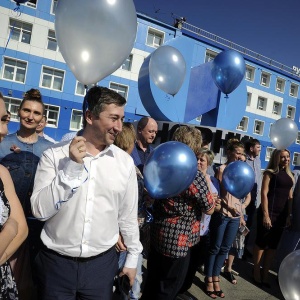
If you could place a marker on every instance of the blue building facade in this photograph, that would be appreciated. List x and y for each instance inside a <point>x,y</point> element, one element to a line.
<point>30,58</point>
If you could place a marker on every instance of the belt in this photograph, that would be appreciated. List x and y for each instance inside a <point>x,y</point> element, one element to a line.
<point>77,259</point>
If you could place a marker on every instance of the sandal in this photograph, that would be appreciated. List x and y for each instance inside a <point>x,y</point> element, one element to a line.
<point>211,294</point>
<point>230,277</point>
<point>219,293</point>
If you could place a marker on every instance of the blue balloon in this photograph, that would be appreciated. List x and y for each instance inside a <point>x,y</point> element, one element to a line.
<point>170,169</point>
<point>238,179</point>
<point>228,70</point>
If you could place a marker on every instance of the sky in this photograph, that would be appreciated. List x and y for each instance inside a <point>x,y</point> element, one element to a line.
<point>268,27</point>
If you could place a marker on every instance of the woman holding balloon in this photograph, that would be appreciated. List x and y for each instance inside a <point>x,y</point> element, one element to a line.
<point>273,214</point>
<point>223,226</point>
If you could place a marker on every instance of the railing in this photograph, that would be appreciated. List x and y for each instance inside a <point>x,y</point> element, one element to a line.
<point>238,48</point>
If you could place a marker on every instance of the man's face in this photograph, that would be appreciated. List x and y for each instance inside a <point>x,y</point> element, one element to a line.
<point>255,150</point>
<point>108,124</point>
<point>41,125</point>
<point>31,114</point>
<point>148,134</point>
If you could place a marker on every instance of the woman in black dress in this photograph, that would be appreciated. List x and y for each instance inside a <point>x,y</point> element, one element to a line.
<point>274,212</point>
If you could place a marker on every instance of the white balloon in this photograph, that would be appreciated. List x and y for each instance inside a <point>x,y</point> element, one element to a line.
<point>283,133</point>
<point>95,36</point>
<point>289,276</point>
<point>167,69</point>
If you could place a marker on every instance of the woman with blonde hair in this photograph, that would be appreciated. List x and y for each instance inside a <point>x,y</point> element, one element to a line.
<point>273,214</point>
<point>13,228</point>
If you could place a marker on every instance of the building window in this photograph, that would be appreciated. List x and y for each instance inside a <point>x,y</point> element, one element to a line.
<point>290,112</point>
<point>249,75</point>
<point>199,118</point>
<point>298,138</point>
<point>243,125</point>
<point>20,31</point>
<point>269,152</point>
<point>31,3</point>
<point>296,159</point>
<point>210,55</point>
<point>155,38</point>
<point>13,105</point>
<point>52,43</point>
<point>52,114</point>
<point>121,89</point>
<point>76,120</point>
<point>261,103</point>
<point>14,70</point>
<point>280,84</point>
<point>276,108</point>
<point>53,6</point>
<point>127,63</point>
<point>265,79</point>
<point>294,90</point>
<point>80,89</point>
<point>258,127</point>
<point>249,96</point>
<point>52,79</point>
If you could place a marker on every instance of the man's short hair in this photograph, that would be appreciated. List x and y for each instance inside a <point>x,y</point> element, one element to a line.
<point>142,123</point>
<point>251,143</point>
<point>98,97</point>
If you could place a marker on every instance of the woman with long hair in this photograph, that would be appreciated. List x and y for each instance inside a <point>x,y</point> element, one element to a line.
<point>13,228</point>
<point>273,214</point>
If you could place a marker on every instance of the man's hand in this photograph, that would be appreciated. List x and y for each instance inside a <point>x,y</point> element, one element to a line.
<point>77,149</point>
<point>120,246</point>
<point>130,272</point>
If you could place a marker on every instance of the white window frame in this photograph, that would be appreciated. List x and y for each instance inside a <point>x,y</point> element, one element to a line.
<point>127,62</point>
<point>269,151</point>
<point>53,6</point>
<point>78,113</point>
<point>156,33</point>
<point>261,131</point>
<point>261,103</point>
<point>210,55</point>
<point>53,76</point>
<point>265,79</point>
<point>76,89</point>
<point>280,85</point>
<point>52,39</point>
<point>33,5</point>
<point>115,87</point>
<point>13,105</point>
<point>17,27</point>
<point>294,88</point>
<point>52,122</point>
<point>199,118</point>
<point>252,73</point>
<point>278,111</point>
<point>291,109</point>
<point>298,138</point>
<point>296,159</point>
<point>15,69</point>
<point>249,98</point>
<point>243,125</point>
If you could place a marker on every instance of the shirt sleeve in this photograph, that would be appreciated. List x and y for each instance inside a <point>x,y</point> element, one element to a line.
<point>53,186</point>
<point>128,222</point>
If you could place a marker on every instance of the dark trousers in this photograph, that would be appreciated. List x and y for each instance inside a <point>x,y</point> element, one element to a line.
<point>165,277</point>
<point>60,278</point>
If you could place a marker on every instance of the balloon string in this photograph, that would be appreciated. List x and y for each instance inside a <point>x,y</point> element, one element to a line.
<point>296,245</point>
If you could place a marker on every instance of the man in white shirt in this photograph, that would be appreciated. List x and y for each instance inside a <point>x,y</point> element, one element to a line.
<point>86,190</point>
<point>40,130</point>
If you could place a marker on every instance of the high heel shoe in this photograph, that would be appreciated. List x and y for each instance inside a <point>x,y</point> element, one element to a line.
<point>212,294</point>
<point>219,293</point>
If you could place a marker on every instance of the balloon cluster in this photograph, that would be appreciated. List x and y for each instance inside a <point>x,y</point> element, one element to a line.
<point>94,36</point>
<point>167,69</point>
<point>238,179</point>
<point>170,169</point>
<point>228,70</point>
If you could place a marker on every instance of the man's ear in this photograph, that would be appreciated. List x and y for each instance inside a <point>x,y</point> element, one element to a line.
<point>88,116</point>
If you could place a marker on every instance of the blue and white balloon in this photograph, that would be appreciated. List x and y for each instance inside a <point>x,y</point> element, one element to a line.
<point>170,169</point>
<point>228,70</point>
<point>238,179</point>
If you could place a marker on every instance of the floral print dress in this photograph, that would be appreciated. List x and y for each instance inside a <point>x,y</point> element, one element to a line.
<point>8,289</point>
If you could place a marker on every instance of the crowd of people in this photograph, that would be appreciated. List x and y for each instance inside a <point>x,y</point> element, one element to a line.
<point>76,221</point>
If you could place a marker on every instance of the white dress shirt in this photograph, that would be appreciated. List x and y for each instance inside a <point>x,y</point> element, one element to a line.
<point>85,206</point>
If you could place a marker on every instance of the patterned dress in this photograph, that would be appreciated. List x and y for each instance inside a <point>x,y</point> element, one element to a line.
<point>8,289</point>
